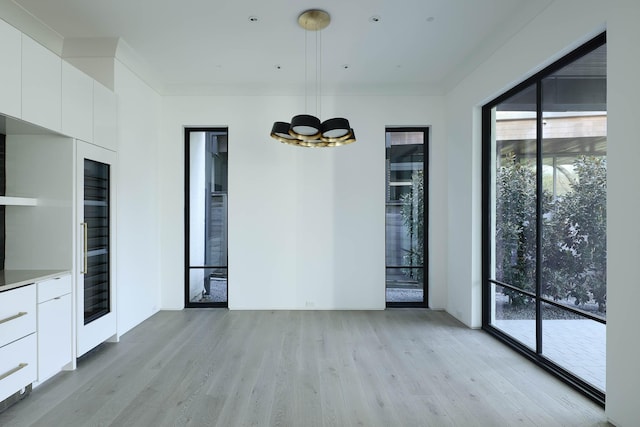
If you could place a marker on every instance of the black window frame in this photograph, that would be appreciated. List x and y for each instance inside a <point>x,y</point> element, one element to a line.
<point>488,167</point>
<point>425,130</point>
<point>187,183</point>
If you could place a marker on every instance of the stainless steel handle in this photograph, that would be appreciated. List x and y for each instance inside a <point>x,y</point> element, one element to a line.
<point>13,371</point>
<point>15,316</point>
<point>84,248</point>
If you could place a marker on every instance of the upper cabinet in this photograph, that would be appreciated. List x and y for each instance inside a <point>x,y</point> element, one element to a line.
<point>41,85</point>
<point>77,103</point>
<point>39,88</point>
<point>10,71</point>
<point>104,117</point>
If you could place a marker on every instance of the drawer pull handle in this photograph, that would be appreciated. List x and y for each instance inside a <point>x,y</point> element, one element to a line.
<point>13,371</point>
<point>14,317</point>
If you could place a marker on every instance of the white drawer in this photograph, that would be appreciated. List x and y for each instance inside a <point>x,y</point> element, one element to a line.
<point>54,288</point>
<point>17,313</point>
<point>17,365</point>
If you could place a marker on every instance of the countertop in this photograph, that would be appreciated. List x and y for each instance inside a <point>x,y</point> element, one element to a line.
<point>11,279</point>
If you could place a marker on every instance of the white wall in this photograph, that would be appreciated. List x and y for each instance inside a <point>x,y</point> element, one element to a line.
<point>306,226</point>
<point>138,253</point>
<point>559,29</point>
<point>623,205</point>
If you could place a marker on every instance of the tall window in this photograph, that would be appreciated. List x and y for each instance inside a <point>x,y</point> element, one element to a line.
<point>544,196</point>
<point>206,217</point>
<point>406,217</point>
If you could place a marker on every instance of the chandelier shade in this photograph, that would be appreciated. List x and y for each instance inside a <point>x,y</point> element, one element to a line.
<point>335,129</point>
<point>348,140</point>
<point>280,131</point>
<point>306,130</point>
<point>303,131</point>
<point>305,126</point>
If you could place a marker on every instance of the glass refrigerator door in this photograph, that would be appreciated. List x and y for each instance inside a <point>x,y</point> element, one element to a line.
<point>95,289</point>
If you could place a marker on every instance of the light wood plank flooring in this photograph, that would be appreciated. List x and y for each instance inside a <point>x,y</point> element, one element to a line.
<point>213,367</point>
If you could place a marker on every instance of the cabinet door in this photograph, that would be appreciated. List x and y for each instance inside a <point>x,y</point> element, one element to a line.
<point>54,336</point>
<point>41,85</point>
<point>77,103</point>
<point>10,71</point>
<point>96,290</point>
<point>104,117</point>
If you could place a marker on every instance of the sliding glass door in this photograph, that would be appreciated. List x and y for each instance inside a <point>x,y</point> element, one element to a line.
<point>544,196</point>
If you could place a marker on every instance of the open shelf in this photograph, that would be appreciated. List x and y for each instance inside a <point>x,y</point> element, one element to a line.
<point>18,201</point>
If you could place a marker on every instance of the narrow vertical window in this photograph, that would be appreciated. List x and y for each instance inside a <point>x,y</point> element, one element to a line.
<point>206,218</point>
<point>545,193</point>
<point>406,217</point>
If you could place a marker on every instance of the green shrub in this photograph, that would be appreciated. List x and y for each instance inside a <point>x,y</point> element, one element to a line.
<point>412,212</point>
<point>574,252</point>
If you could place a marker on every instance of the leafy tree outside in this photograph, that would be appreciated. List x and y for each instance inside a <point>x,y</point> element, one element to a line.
<point>412,212</point>
<point>574,233</point>
<point>516,227</point>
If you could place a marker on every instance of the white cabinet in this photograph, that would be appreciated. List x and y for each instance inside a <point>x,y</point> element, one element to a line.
<point>55,335</point>
<point>41,85</point>
<point>10,71</point>
<point>77,103</point>
<point>104,117</point>
<point>18,347</point>
<point>37,86</point>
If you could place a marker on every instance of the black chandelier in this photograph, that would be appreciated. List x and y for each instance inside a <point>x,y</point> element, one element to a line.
<point>306,130</point>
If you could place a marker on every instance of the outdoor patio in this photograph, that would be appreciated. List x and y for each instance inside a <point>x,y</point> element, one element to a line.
<point>577,345</point>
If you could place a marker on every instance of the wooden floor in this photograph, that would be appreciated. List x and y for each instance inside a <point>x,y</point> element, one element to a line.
<point>213,367</point>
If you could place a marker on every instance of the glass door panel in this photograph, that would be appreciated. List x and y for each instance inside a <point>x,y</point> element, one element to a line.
<point>95,291</point>
<point>206,228</point>
<point>574,226</point>
<point>96,218</point>
<point>514,230</point>
<point>405,217</point>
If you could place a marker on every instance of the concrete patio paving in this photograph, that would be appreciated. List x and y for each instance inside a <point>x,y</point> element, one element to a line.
<point>577,345</point>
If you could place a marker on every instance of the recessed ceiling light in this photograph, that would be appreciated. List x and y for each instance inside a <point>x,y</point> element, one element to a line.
<point>254,19</point>
<point>375,18</point>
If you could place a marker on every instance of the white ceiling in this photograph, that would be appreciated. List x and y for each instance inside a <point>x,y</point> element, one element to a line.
<point>418,46</point>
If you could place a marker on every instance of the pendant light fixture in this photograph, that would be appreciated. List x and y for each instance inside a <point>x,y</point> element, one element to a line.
<point>306,130</point>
